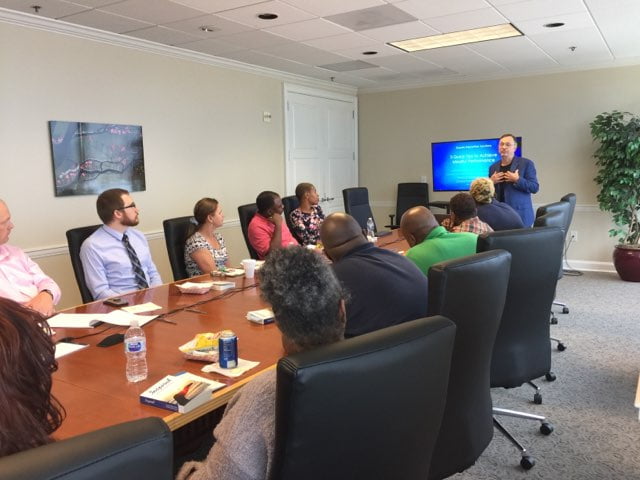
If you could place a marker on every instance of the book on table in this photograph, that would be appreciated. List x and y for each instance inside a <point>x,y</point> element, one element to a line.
<point>180,393</point>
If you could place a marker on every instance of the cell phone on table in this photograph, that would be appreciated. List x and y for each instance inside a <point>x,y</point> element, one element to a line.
<point>116,302</point>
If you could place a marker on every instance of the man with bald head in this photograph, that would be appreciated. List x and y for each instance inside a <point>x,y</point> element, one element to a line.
<point>431,243</point>
<point>21,279</point>
<point>383,287</point>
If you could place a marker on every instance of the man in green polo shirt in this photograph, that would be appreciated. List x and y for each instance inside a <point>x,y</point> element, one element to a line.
<point>430,243</point>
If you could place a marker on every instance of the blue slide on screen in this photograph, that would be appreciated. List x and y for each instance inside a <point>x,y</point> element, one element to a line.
<point>456,164</point>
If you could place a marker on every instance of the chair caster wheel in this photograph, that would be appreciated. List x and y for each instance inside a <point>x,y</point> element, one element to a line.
<point>565,309</point>
<point>537,399</point>
<point>527,462</point>
<point>551,377</point>
<point>561,347</point>
<point>546,428</point>
<point>554,320</point>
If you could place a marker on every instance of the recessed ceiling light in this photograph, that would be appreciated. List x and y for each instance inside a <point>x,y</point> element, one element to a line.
<point>370,52</point>
<point>495,32</point>
<point>208,28</point>
<point>554,25</point>
<point>267,16</point>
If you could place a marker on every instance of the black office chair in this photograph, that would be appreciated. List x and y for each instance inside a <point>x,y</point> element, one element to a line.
<point>129,451</point>
<point>290,203</point>
<point>570,198</point>
<point>470,291</point>
<point>522,350</point>
<point>356,204</point>
<point>552,218</point>
<point>75,237</point>
<point>175,234</point>
<point>245,214</point>
<point>409,195</point>
<point>364,408</point>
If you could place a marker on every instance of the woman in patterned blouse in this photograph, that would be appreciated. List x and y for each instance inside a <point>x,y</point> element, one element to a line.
<point>307,218</point>
<point>204,249</point>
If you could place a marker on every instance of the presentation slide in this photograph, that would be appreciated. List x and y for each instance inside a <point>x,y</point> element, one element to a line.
<point>456,164</point>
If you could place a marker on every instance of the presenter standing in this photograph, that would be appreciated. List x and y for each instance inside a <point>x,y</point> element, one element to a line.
<point>515,179</point>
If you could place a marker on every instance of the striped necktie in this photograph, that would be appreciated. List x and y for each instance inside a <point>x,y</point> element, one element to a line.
<point>135,263</point>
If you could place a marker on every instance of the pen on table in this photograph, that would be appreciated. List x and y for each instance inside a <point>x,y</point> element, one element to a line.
<point>195,310</point>
<point>166,320</point>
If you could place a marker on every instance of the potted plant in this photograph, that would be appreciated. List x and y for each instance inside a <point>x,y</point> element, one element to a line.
<point>618,159</point>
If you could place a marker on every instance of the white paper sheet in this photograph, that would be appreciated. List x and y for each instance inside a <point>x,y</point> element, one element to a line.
<point>64,348</point>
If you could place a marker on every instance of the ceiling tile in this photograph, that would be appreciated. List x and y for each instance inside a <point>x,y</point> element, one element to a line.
<point>348,66</point>
<point>249,15</point>
<point>383,50</point>
<point>307,30</point>
<point>91,3</point>
<point>485,17</point>
<point>532,9</point>
<point>304,54</point>
<point>211,47</point>
<point>369,18</point>
<point>254,39</point>
<point>405,63</point>
<point>106,21</point>
<point>163,35</point>
<point>339,42</point>
<point>324,8</point>
<point>571,22</point>
<point>221,25</point>
<point>213,6</point>
<point>460,59</point>
<point>49,9</point>
<point>156,12</point>
<point>620,29</point>
<point>404,31</point>
<point>516,54</point>
<point>589,45</point>
<point>438,8</point>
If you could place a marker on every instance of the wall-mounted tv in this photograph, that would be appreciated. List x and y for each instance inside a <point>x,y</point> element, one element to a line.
<point>456,164</point>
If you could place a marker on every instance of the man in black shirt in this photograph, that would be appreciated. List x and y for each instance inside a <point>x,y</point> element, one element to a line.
<point>383,287</point>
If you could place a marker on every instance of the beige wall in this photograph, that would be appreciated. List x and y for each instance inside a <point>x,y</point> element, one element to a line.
<point>202,127</point>
<point>551,112</point>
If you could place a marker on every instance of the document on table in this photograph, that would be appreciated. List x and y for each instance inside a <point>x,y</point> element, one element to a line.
<point>64,348</point>
<point>89,320</point>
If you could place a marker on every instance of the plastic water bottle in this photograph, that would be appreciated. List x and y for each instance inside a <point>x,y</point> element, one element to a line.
<point>135,348</point>
<point>370,229</point>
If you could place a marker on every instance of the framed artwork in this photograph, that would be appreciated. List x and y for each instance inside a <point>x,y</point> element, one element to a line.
<point>89,158</point>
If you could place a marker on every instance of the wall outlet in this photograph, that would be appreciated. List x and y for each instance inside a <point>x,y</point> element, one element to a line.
<point>574,235</point>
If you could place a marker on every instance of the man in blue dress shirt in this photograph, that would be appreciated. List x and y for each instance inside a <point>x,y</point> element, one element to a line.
<point>116,258</point>
<point>515,179</point>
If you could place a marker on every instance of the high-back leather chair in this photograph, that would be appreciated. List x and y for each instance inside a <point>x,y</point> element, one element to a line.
<point>571,199</point>
<point>470,291</point>
<point>522,350</point>
<point>245,214</point>
<point>129,451</point>
<point>363,408</point>
<point>175,234</point>
<point>290,203</point>
<point>75,237</point>
<point>409,195</point>
<point>356,204</point>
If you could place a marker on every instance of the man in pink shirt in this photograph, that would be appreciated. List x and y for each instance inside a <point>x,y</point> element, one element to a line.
<point>267,228</point>
<point>21,279</point>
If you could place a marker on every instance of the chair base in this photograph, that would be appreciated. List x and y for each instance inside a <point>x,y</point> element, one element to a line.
<point>546,428</point>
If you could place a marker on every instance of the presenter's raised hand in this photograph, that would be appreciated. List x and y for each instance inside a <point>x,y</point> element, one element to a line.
<point>512,177</point>
<point>497,177</point>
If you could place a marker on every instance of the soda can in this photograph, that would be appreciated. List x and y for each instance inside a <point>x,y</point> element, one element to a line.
<point>228,349</point>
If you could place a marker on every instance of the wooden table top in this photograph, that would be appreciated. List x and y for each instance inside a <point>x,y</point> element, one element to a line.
<point>91,383</point>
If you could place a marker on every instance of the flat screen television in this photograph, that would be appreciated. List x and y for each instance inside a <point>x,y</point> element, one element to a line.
<point>456,164</point>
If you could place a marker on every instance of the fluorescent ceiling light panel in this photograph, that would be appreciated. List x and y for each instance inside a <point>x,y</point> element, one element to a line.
<point>458,38</point>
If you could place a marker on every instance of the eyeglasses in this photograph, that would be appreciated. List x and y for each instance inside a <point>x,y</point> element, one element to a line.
<point>133,205</point>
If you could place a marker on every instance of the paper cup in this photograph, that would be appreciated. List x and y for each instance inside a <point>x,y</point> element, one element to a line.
<point>249,266</point>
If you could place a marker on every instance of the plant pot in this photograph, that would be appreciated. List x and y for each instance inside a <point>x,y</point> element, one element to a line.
<point>626,259</point>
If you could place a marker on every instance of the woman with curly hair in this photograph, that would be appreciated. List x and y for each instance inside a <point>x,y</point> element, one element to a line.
<point>30,414</point>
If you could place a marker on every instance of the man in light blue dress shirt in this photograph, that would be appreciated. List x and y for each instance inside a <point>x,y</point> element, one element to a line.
<point>109,269</point>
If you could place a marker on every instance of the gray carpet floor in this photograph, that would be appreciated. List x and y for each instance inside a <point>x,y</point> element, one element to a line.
<point>597,432</point>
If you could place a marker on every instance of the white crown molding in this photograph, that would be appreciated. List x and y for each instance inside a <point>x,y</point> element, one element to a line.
<point>88,33</point>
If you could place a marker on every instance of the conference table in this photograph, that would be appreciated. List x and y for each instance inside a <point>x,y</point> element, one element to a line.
<point>91,383</point>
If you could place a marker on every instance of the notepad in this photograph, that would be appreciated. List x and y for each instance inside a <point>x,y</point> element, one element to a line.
<point>65,348</point>
<point>90,320</point>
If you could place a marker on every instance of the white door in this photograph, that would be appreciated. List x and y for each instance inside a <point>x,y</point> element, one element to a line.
<point>321,143</point>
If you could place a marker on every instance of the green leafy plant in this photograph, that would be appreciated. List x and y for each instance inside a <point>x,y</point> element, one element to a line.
<point>618,159</point>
